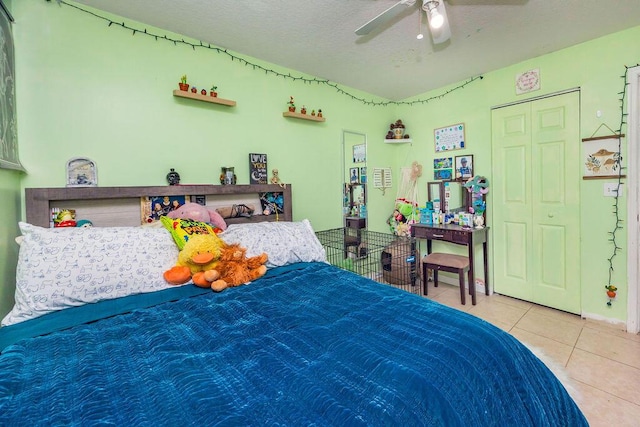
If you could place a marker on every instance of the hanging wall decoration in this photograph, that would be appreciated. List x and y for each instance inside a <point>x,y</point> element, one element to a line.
<point>601,158</point>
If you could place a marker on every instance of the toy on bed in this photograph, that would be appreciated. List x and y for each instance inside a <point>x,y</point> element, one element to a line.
<point>199,255</point>
<point>211,263</point>
<point>234,268</point>
<point>200,213</point>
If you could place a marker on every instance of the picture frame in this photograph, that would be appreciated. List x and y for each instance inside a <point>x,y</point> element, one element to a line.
<point>450,137</point>
<point>363,175</point>
<point>601,157</point>
<point>464,167</point>
<point>443,168</point>
<point>82,172</point>
<point>359,153</point>
<point>354,178</point>
<point>154,207</point>
<point>9,158</point>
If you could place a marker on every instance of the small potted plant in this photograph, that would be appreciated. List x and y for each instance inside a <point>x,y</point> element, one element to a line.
<point>303,110</point>
<point>203,92</point>
<point>291,104</point>
<point>194,89</point>
<point>313,112</point>
<point>183,83</point>
<point>213,90</point>
<point>319,113</point>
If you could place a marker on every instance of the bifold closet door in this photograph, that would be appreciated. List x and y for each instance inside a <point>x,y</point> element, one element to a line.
<point>536,185</point>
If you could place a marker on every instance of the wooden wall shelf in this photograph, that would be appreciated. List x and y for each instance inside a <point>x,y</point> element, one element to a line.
<point>398,141</point>
<point>205,98</point>
<point>303,116</point>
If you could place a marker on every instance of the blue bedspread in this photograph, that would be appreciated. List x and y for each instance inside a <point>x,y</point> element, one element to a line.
<point>313,345</point>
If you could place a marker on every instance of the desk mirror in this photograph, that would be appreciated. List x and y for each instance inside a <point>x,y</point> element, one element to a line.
<point>452,192</point>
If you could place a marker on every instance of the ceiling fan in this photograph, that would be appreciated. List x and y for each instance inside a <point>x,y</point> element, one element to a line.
<point>436,15</point>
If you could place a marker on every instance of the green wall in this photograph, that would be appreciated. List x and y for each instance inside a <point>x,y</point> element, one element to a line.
<point>89,89</point>
<point>596,68</point>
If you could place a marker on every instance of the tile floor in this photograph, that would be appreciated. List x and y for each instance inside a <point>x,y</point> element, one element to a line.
<point>598,363</point>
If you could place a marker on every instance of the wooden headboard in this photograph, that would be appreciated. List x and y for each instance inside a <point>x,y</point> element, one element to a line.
<point>120,206</point>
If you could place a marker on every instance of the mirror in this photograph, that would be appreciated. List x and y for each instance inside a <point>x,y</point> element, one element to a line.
<point>448,196</point>
<point>354,162</point>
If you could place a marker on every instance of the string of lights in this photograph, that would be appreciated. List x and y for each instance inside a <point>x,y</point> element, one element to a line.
<point>268,71</point>
<point>617,226</point>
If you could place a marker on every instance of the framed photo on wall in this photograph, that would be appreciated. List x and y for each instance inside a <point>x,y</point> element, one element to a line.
<point>449,137</point>
<point>353,176</point>
<point>464,167</point>
<point>359,153</point>
<point>363,175</point>
<point>442,168</point>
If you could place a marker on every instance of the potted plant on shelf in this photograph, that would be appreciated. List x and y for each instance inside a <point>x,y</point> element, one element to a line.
<point>303,110</point>
<point>213,91</point>
<point>194,89</point>
<point>319,113</point>
<point>291,104</point>
<point>183,83</point>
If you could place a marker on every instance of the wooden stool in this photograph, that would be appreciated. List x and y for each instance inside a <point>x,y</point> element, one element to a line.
<point>452,264</point>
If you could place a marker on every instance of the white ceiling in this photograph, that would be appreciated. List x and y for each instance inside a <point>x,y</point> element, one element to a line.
<point>317,36</point>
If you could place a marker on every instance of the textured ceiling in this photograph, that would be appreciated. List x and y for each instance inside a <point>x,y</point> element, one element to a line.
<point>317,37</point>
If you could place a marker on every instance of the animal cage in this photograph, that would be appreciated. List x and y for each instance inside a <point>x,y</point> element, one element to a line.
<point>385,258</point>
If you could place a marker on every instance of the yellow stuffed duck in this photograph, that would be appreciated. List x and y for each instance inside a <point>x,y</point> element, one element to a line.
<point>211,263</point>
<point>199,255</point>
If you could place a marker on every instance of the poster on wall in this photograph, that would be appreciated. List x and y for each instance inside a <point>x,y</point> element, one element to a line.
<point>8,131</point>
<point>601,157</point>
<point>449,137</point>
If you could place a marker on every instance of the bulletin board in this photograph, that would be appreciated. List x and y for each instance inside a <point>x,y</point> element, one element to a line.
<point>449,137</point>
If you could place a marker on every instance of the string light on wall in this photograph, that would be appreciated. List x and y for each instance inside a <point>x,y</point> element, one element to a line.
<point>611,289</point>
<point>258,67</point>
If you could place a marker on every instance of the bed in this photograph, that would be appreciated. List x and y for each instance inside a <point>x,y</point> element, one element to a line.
<point>307,344</point>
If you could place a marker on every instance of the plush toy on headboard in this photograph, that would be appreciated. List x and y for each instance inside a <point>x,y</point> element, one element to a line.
<point>200,213</point>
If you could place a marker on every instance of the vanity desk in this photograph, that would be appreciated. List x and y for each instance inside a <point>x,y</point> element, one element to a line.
<point>458,235</point>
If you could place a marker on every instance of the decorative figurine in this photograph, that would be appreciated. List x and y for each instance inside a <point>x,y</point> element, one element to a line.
<point>227,176</point>
<point>319,113</point>
<point>292,105</point>
<point>203,92</point>
<point>303,110</point>
<point>275,179</point>
<point>194,90</point>
<point>173,177</point>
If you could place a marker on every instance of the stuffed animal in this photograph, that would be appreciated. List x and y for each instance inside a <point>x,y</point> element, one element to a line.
<point>234,268</point>
<point>200,213</point>
<point>199,255</point>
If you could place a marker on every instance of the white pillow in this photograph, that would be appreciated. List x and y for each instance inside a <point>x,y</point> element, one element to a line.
<point>284,242</point>
<point>65,267</point>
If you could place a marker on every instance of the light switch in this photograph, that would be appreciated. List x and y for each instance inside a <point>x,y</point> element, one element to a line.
<point>611,189</point>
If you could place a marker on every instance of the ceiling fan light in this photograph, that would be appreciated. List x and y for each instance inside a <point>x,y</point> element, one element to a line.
<point>420,36</point>
<point>436,19</point>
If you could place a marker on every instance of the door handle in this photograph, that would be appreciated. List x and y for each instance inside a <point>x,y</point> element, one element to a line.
<point>550,214</point>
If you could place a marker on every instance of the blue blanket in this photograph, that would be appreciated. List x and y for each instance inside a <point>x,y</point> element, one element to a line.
<point>313,345</point>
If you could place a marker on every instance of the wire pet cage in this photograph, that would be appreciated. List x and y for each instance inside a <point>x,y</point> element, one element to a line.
<point>385,258</point>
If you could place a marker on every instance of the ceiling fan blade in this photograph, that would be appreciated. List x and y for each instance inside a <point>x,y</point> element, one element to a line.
<point>384,17</point>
